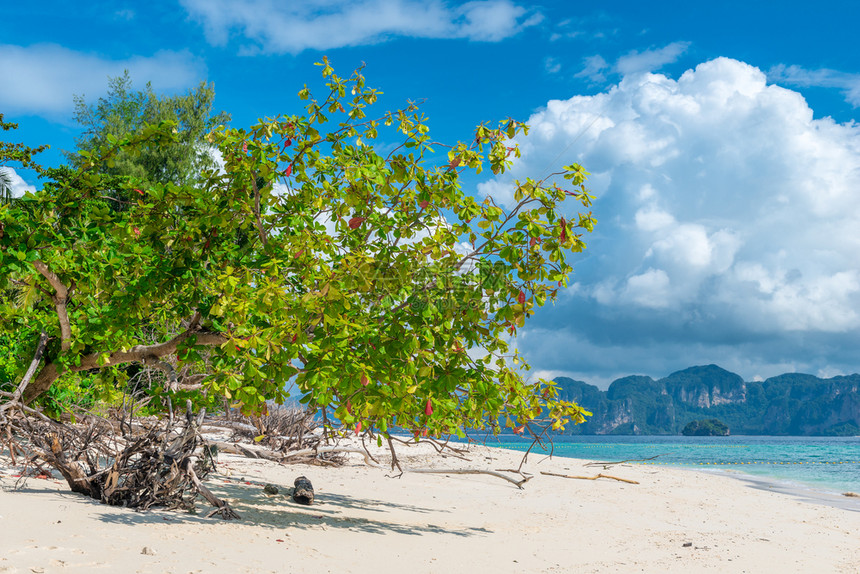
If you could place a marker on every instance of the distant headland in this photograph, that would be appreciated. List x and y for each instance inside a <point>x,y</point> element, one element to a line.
<point>790,404</point>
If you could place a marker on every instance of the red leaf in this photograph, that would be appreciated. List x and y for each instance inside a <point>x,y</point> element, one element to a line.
<point>288,143</point>
<point>563,225</point>
<point>533,242</point>
<point>139,191</point>
<point>358,427</point>
<point>356,222</point>
<point>244,148</point>
<point>519,429</point>
<point>348,406</point>
<point>428,408</point>
<point>136,231</point>
<point>288,171</point>
<point>364,380</point>
<point>424,204</point>
<point>521,298</point>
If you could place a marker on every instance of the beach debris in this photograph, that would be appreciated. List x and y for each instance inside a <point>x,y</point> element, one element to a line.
<point>138,464</point>
<point>303,493</point>
<point>627,480</point>
<point>270,489</point>
<point>148,551</point>
<point>851,494</point>
<point>687,544</point>
<point>606,465</point>
<point>518,483</point>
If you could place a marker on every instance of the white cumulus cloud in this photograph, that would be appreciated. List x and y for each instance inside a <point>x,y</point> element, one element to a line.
<point>726,213</point>
<point>43,78</point>
<point>17,185</point>
<point>292,27</point>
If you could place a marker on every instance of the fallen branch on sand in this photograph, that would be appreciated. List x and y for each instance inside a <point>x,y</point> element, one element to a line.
<point>590,477</point>
<point>519,483</point>
<point>152,465</point>
<point>606,465</point>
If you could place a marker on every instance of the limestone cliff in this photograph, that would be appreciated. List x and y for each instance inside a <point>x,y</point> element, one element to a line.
<point>790,404</point>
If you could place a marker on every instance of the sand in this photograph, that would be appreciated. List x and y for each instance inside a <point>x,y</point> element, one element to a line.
<point>364,521</point>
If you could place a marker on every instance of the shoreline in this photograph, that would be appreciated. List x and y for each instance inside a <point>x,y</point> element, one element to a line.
<point>811,494</point>
<point>772,475</point>
<point>674,520</point>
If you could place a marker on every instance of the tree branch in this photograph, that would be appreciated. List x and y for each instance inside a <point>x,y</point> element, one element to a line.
<point>34,364</point>
<point>259,221</point>
<point>148,354</point>
<point>60,299</point>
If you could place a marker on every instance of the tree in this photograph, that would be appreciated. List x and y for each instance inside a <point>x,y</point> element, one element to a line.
<point>16,153</point>
<point>706,427</point>
<point>125,111</point>
<point>5,186</point>
<point>372,281</point>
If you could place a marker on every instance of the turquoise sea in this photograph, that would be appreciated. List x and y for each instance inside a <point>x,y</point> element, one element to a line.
<point>822,463</point>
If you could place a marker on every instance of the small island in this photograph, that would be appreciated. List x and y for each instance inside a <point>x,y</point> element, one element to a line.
<point>707,427</point>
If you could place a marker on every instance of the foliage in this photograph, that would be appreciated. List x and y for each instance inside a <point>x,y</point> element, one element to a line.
<point>707,427</point>
<point>16,153</point>
<point>125,111</point>
<point>377,285</point>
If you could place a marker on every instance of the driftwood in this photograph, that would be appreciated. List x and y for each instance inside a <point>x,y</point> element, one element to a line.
<point>303,493</point>
<point>627,480</point>
<point>146,467</point>
<point>518,483</point>
<point>606,465</point>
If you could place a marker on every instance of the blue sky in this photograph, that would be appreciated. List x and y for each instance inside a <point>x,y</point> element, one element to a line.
<point>721,138</point>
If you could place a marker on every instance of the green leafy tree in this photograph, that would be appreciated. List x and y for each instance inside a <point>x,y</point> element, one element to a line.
<point>125,111</point>
<point>15,337</point>
<point>371,281</point>
<point>14,153</point>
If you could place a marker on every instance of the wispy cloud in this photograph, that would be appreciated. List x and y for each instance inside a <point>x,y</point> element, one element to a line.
<point>292,27</point>
<point>650,60</point>
<point>800,77</point>
<point>551,65</point>
<point>595,69</point>
<point>43,78</point>
<point>598,70</point>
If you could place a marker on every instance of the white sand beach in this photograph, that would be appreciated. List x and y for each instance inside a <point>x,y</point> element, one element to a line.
<point>363,521</point>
